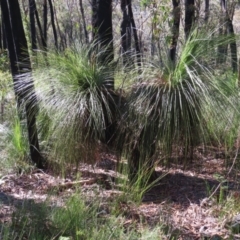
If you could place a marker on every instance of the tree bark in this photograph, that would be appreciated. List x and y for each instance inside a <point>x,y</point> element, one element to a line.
<point>103,33</point>
<point>4,40</point>
<point>45,13</point>
<point>175,29</point>
<point>189,16</point>
<point>53,24</point>
<point>32,9</point>
<point>125,33</point>
<point>222,48</point>
<point>84,21</point>
<point>1,37</point>
<point>43,42</point>
<point>20,62</point>
<point>206,11</point>
<point>94,20</point>
<point>135,35</point>
<point>233,45</point>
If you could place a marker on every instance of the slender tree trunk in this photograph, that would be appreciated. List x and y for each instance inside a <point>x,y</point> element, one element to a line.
<point>53,24</point>
<point>135,35</point>
<point>175,29</point>
<point>206,11</point>
<point>1,37</point>
<point>20,62</point>
<point>94,20</point>
<point>84,21</point>
<point>154,31</point>
<point>233,45</point>
<point>43,42</point>
<point>222,48</point>
<point>32,9</point>
<point>102,24</point>
<point>105,32</point>
<point>189,16</point>
<point>45,14</point>
<point>4,40</point>
<point>125,33</point>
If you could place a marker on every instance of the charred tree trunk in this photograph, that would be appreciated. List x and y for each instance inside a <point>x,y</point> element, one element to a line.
<point>189,16</point>
<point>222,48</point>
<point>135,35</point>
<point>1,37</point>
<point>20,62</point>
<point>104,25</point>
<point>206,11</point>
<point>53,24</point>
<point>103,33</point>
<point>233,45</point>
<point>125,33</point>
<point>4,40</point>
<point>43,42</point>
<point>94,20</point>
<point>32,9</point>
<point>175,29</point>
<point>84,21</point>
<point>45,14</point>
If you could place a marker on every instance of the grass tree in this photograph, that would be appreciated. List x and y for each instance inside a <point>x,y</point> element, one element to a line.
<point>171,105</point>
<point>77,110</point>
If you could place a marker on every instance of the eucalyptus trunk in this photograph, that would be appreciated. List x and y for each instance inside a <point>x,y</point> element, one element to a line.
<point>206,16</point>
<point>175,29</point>
<point>20,62</point>
<point>84,21</point>
<point>135,35</point>
<point>32,9</point>
<point>4,40</point>
<point>53,24</point>
<point>222,48</point>
<point>94,20</point>
<point>45,15</point>
<point>43,42</point>
<point>189,16</point>
<point>125,32</point>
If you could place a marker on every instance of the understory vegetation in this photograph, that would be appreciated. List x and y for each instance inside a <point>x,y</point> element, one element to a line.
<point>111,154</point>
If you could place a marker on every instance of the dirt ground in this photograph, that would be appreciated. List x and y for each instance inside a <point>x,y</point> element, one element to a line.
<point>182,199</point>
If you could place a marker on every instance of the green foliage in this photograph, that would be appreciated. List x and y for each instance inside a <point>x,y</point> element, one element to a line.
<point>17,146</point>
<point>14,145</point>
<point>5,83</point>
<point>168,105</point>
<point>4,61</point>
<point>75,220</point>
<point>75,106</point>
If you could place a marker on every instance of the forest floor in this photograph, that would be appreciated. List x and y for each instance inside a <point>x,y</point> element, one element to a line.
<point>190,201</point>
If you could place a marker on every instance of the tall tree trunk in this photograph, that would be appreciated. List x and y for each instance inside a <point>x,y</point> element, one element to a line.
<point>84,21</point>
<point>1,37</point>
<point>20,62</point>
<point>222,48</point>
<point>125,33</point>
<point>45,13</point>
<point>105,32</point>
<point>94,20</point>
<point>154,31</point>
<point>206,11</point>
<point>43,42</point>
<point>53,24</point>
<point>233,44</point>
<point>135,35</point>
<point>32,9</point>
<point>4,40</point>
<point>189,16</point>
<point>102,24</point>
<point>175,29</point>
